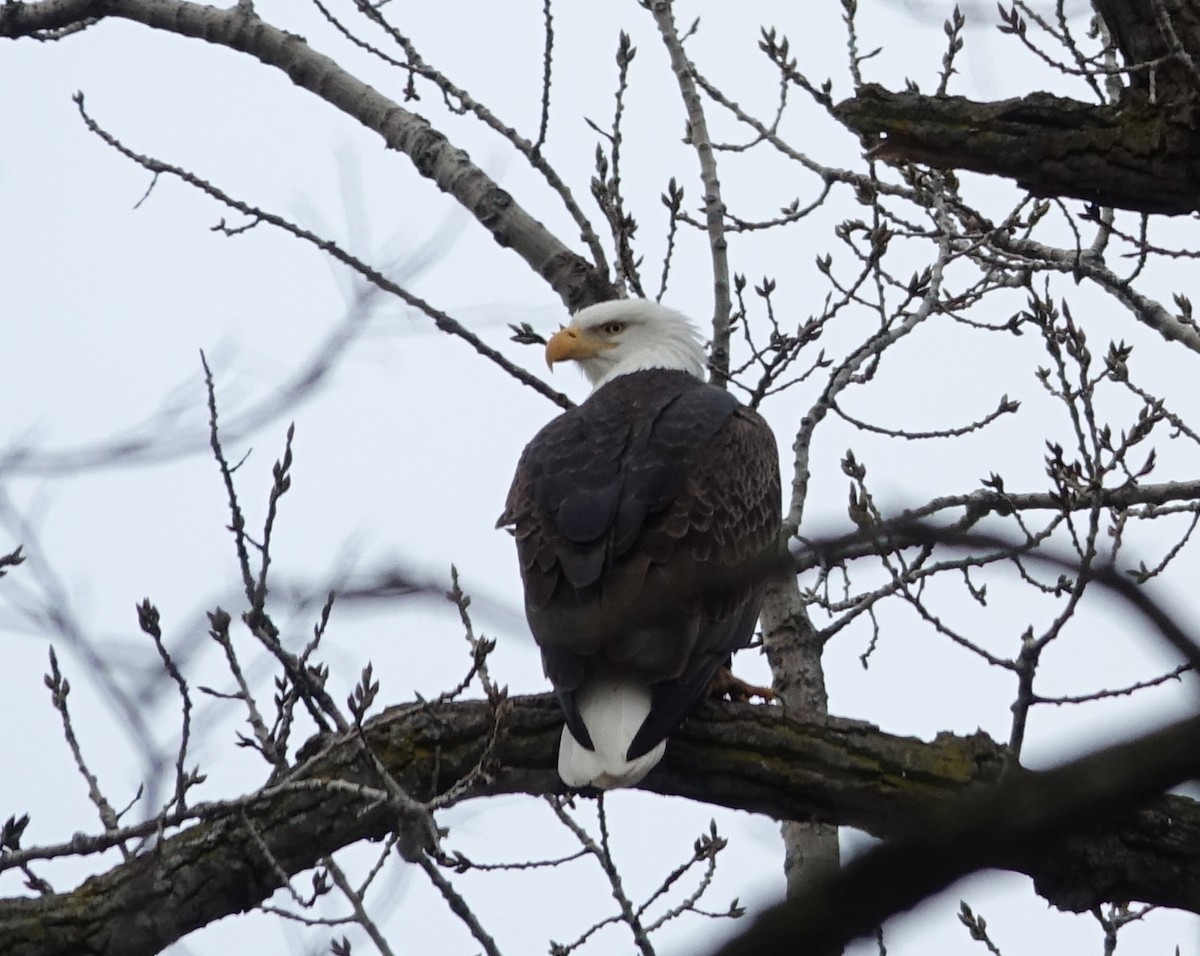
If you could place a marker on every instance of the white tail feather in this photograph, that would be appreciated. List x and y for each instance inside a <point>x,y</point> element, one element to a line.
<point>613,709</point>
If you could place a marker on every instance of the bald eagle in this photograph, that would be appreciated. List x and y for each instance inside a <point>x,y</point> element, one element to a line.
<point>640,517</point>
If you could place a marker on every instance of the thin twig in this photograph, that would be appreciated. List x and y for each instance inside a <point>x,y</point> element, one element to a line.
<point>458,906</point>
<point>440,319</point>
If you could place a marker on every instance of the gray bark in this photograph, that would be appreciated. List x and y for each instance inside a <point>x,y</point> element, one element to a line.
<point>751,757</point>
<point>1142,153</point>
<point>577,282</point>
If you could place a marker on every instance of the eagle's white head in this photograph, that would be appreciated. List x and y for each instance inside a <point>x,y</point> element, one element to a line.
<point>627,335</point>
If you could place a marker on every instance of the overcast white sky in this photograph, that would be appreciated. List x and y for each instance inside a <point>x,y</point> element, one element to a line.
<point>404,452</point>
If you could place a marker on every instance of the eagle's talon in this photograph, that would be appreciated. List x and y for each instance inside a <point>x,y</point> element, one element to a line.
<point>725,686</point>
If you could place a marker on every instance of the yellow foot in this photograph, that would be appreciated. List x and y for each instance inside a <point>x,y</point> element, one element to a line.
<point>724,684</point>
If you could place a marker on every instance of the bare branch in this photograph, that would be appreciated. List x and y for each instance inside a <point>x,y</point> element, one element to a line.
<point>714,205</point>
<point>576,281</point>
<point>60,688</point>
<point>458,906</point>
<point>443,321</point>
<point>743,755</point>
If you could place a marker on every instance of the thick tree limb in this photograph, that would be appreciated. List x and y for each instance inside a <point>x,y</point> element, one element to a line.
<point>1140,154</point>
<point>577,282</point>
<point>1005,827</point>
<point>1136,156</point>
<point>1164,33</point>
<point>751,757</point>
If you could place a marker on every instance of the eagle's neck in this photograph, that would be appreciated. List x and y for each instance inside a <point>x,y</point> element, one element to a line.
<point>679,352</point>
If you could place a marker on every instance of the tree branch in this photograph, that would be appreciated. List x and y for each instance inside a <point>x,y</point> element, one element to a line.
<point>575,280</point>
<point>1138,154</point>
<point>1007,827</point>
<point>1136,157</point>
<point>714,205</point>
<point>906,529</point>
<point>750,757</point>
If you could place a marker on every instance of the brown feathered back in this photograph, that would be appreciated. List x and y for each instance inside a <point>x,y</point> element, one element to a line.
<point>641,517</point>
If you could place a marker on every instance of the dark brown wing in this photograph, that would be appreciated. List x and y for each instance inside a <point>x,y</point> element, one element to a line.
<point>639,517</point>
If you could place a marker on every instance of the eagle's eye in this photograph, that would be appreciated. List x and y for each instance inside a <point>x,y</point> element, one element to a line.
<point>613,328</point>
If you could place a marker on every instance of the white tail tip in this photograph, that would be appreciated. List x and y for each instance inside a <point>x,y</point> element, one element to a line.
<point>613,708</point>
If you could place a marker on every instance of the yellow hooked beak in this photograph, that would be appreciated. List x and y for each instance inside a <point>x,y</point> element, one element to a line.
<point>575,343</point>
